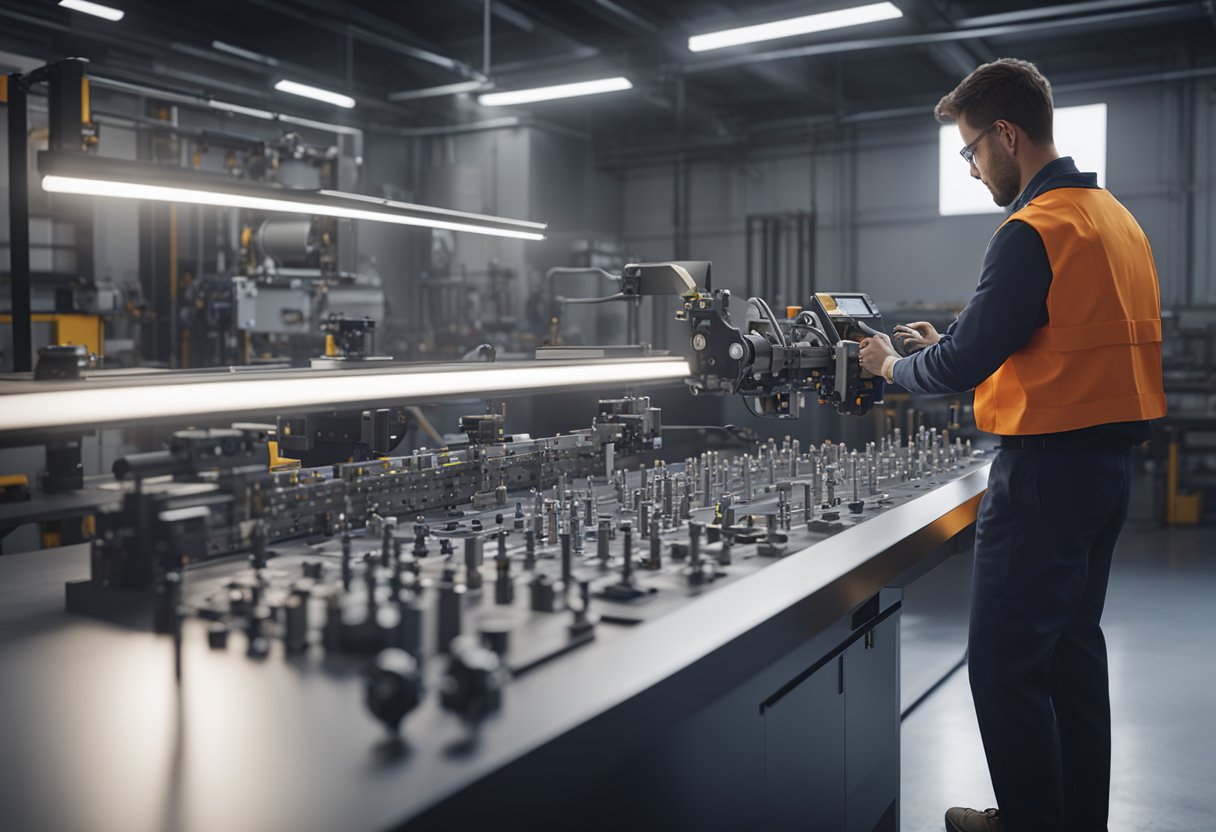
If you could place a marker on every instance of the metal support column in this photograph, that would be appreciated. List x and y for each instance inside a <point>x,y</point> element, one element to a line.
<point>19,224</point>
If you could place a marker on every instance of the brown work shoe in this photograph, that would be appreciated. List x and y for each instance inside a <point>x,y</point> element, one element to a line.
<point>969,820</point>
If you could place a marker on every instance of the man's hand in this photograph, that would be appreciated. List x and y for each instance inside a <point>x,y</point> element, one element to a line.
<point>916,336</point>
<point>876,354</point>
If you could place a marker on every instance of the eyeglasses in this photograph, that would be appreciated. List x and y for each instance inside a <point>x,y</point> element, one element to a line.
<point>968,151</point>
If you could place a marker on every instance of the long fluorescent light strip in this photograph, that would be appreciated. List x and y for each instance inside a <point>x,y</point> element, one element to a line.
<point>52,409</point>
<point>126,190</point>
<point>790,27</point>
<point>315,93</point>
<point>408,206</point>
<point>602,85</point>
<point>95,9</point>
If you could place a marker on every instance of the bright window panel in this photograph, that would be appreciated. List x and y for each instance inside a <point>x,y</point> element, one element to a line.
<point>1080,132</point>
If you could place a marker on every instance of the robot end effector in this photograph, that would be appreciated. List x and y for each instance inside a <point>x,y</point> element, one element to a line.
<point>774,362</point>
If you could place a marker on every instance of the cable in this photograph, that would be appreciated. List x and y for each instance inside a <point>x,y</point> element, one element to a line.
<point>605,299</point>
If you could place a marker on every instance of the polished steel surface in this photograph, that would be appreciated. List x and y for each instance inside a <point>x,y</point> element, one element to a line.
<point>95,713</point>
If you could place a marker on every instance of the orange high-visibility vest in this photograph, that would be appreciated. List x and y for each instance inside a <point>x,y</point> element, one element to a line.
<point>1098,359</point>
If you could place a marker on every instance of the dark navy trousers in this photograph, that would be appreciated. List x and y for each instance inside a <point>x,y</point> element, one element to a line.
<point>1036,654</point>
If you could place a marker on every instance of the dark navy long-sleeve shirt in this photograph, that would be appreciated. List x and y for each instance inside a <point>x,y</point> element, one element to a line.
<point>1009,303</point>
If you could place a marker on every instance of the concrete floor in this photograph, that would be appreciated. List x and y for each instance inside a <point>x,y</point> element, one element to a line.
<point>1159,631</point>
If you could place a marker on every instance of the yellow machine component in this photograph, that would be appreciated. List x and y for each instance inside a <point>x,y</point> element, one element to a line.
<point>331,348</point>
<point>14,487</point>
<point>1181,509</point>
<point>84,101</point>
<point>3,89</point>
<point>70,328</point>
<point>280,463</point>
<point>792,312</point>
<point>51,539</point>
<point>829,302</point>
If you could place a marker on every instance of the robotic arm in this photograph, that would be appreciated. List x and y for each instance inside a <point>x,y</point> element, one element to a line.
<point>773,362</point>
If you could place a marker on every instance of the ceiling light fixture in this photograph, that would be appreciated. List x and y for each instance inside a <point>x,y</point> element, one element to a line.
<point>790,27</point>
<point>507,98</point>
<point>316,93</point>
<point>76,173</point>
<point>95,9</point>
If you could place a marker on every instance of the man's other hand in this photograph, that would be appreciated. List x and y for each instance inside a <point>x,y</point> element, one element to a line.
<point>874,353</point>
<point>916,336</point>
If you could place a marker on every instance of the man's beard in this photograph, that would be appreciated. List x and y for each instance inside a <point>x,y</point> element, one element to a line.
<point>1004,181</point>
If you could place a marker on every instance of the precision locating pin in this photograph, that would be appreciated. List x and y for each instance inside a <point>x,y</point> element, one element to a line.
<point>627,545</point>
<point>576,533</point>
<point>472,562</point>
<point>504,586</point>
<point>529,549</point>
<point>449,607</point>
<point>295,622</point>
<point>258,557</point>
<point>602,541</point>
<point>369,579</point>
<point>386,541</point>
<point>583,621</point>
<point>409,627</point>
<point>346,571</point>
<point>567,565</point>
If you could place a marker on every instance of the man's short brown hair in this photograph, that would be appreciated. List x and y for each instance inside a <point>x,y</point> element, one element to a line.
<point>1004,89</point>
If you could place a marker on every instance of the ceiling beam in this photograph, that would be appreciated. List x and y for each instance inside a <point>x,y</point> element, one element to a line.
<point>1053,10</point>
<point>368,28</point>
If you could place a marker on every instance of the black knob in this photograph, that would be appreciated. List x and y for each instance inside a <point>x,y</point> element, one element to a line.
<point>217,636</point>
<point>496,634</point>
<point>394,687</point>
<point>420,550</point>
<point>472,688</point>
<point>295,623</point>
<point>543,594</point>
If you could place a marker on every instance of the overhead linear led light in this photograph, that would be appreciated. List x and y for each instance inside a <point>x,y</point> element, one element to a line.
<point>95,9</point>
<point>820,22</point>
<point>135,402</point>
<point>247,54</point>
<point>316,93</point>
<point>76,173</point>
<point>509,97</point>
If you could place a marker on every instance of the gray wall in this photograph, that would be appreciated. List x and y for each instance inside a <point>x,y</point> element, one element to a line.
<point>875,188</point>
